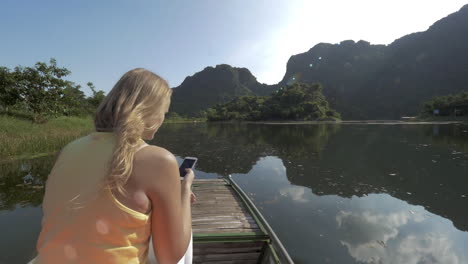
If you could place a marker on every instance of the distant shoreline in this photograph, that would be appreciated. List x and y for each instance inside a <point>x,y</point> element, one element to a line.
<point>360,122</point>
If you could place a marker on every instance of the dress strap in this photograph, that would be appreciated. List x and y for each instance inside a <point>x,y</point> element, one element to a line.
<point>141,146</point>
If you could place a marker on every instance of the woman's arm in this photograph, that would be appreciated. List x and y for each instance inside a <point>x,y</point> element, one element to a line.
<point>171,223</point>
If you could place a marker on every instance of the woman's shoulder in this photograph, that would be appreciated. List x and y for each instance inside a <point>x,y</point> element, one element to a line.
<point>153,161</point>
<point>155,155</point>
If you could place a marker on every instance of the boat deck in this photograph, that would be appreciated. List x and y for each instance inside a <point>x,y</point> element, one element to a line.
<point>227,227</point>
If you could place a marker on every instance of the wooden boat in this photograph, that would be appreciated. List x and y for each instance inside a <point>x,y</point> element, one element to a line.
<point>228,228</point>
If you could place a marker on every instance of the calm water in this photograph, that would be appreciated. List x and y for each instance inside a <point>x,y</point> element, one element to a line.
<point>333,193</point>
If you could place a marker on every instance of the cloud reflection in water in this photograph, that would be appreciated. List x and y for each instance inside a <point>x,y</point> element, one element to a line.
<point>399,236</point>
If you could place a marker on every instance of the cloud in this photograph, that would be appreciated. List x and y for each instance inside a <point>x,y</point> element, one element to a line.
<point>296,193</point>
<point>377,238</point>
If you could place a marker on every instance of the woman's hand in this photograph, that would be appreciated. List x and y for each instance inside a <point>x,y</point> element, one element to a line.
<point>188,178</point>
<point>193,198</point>
<point>187,182</point>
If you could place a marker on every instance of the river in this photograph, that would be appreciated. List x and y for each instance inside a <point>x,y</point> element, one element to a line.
<point>333,193</point>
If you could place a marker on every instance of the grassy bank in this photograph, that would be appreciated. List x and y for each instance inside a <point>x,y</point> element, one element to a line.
<point>442,118</point>
<point>21,138</point>
<point>184,120</point>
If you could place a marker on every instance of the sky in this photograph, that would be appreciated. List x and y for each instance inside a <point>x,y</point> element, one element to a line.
<point>98,41</point>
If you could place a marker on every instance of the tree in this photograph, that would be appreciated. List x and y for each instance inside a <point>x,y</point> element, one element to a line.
<point>296,102</point>
<point>97,97</point>
<point>9,94</point>
<point>41,87</point>
<point>42,91</point>
<point>73,101</point>
<point>456,104</point>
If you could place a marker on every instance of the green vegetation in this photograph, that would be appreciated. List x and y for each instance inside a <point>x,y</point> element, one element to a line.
<point>40,92</point>
<point>450,106</point>
<point>212,86</point>
<point>40,112</point>
<point>25,139</point>
<point>173,117</point>
<point>21,138</point>
<point>299,101</point>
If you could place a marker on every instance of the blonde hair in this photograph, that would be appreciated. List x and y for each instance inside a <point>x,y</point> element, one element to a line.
<point>138,95</point>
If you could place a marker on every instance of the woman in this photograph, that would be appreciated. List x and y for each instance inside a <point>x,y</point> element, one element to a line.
<point>109,192</point>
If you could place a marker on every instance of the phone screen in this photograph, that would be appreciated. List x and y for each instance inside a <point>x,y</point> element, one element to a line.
<point>187,164</point>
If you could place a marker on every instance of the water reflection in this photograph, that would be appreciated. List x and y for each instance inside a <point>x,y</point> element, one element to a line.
<point>399,236</point>
<point>234,148</point>
<point>374,228</point>
<point>408,162</point>
<point>394,192</point>
<point>22,182</point>
<point>347,193</point>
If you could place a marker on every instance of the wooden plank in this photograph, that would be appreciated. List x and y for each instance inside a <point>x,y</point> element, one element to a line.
<point>209,180</point>
<point>205,251</point>
<point>242,261</point>
<point>206,185</point>
<point>220,186</point>
<point>278,251</point>
<point>217,248</point>
<point>212,189</point>
<point>206,210</point>
<point>214,192</point>
<point>225,214</point>
<point>203,193</point>
<point>218,203</point>
<point>230,244</point>
<point>215,196</point>
<point>219,200</point>
<point>221,205</point>
<point>224,225</point>
<point>223,220</point>
<point>233,256</point>
<point>219,210</point>
<point>225,230</point>
<point>234,222</point>
<point>201,181</point>
<point>214,186</point>
<point>224,206</point>
<point>229,237</point>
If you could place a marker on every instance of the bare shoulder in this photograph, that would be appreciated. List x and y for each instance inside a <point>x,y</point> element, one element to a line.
<point>155,162</point>
<point>154,154</point>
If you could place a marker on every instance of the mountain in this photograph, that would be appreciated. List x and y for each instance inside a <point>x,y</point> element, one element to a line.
<point>215,85</point>
<point>364,81</point>
<point>360,80</point>
<point>341,69</point>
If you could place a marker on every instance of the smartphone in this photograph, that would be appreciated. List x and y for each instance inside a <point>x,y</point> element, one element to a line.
<point>188,163</point>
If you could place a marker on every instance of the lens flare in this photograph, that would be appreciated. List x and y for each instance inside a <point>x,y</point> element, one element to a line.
<point>102,227</point>
<point>70,252</point>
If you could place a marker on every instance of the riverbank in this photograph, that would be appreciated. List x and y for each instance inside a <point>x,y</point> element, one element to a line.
<point>360,122</point>
<point>22,139</point>
<point>443,119</point>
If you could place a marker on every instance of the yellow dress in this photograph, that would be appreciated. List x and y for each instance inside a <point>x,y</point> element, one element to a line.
<point>83,222</point>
